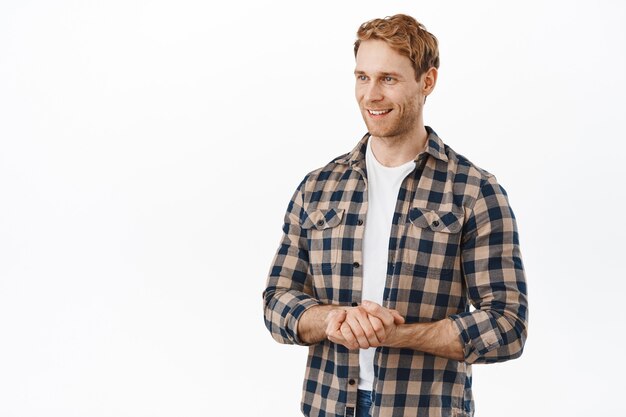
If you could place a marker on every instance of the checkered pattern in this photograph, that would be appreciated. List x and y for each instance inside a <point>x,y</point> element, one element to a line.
<point>453,243</point>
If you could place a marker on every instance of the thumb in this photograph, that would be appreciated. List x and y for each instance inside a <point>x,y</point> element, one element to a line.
<point>336,313</point>
<point>369,305</point>
<point>397,318</point>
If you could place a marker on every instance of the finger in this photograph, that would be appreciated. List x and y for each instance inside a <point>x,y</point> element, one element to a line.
<point>332,314</point>
<point>397,317</point>
<point>337,338</point>
<point>356,328</point>
<point>334,320</point>
<point>364,321</point>
<point>346,332</point>
<point>377,326</point>
<point>384,314</point>
<point>333,329</point>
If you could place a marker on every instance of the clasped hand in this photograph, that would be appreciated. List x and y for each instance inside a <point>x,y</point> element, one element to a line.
<point>364,326</point>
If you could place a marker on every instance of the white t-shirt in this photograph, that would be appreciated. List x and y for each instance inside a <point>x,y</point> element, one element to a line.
<point>383,185</point>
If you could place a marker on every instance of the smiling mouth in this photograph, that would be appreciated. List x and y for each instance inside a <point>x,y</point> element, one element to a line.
<point>378,112</point>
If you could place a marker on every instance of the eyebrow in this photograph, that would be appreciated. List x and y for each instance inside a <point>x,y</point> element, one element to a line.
<point>382,74</point>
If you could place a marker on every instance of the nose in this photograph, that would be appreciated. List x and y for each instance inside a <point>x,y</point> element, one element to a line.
<point>373,92</point>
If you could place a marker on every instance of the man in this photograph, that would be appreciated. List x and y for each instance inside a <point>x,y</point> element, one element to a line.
<point>386,247</point>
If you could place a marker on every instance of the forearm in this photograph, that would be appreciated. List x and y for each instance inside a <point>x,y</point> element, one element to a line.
<point>440,338</point>
<point>282,310</point>
<point>490,335</point>
<point>312,323</point>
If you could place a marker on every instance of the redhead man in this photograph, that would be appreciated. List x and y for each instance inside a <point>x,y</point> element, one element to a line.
<point>386,249</point>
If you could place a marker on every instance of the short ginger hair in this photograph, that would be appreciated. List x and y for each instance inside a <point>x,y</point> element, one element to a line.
<point>407,36</point>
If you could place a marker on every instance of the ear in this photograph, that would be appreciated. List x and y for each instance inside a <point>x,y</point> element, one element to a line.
<point>429,79</point>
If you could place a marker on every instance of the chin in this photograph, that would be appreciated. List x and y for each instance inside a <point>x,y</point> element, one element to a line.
<point>378,132</point>
<point>381,130</point>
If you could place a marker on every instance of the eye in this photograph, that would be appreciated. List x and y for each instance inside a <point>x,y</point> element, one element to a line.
<point>361,77</point>
<point>388,79</point>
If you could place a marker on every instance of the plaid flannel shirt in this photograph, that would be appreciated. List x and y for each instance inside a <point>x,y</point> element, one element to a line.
<point>453,243</point>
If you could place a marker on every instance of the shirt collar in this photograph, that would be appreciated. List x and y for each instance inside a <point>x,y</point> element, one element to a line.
<point>434,147</point>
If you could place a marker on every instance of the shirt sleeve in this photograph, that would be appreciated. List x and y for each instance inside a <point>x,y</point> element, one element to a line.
<point>288,292</point>
<point>492,266</point>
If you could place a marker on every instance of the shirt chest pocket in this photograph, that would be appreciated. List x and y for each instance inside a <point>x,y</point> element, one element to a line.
<point>432,242</point>
<point>324,233</point>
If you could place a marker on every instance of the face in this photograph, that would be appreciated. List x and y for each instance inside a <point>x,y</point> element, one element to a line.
<point>389,96</point>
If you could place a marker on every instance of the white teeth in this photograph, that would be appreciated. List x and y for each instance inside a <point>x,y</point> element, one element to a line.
<point>376,113</point>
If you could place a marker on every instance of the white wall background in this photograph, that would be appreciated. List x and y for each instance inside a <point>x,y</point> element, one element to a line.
<point>148,150</point>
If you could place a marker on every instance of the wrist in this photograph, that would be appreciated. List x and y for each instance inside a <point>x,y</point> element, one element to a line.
<point>399,337</point>
<point>312,323</point>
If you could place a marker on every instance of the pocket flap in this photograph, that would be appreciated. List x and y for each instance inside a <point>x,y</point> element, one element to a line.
<point>321,219</point>
<point>437,221</point>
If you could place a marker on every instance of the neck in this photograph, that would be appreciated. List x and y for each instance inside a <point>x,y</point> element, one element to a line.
<point>393,151</point>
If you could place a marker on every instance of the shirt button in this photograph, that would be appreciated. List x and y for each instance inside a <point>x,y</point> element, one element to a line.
<point>436,223</point>
<point>351,382</point>
<point>320,222</point>
<point>354,304</point>
<point>356,264</point>
<point>360,222</point>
